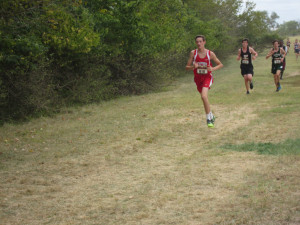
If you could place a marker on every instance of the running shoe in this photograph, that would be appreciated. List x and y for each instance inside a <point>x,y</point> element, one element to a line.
<point>251,85</point>
<point>213,119</point>
<point>210,123</point>
<point>279,88</point>
<point>247,92</point>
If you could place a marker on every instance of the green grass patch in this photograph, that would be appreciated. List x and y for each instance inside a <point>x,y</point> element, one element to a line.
<point>288,147</point>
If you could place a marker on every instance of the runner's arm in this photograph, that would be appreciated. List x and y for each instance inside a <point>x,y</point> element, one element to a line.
<point>283,54</point>
<point>239,55</point>
<point>270,53</point>
<point>253,52</point>
<point>217,61</point>
<point>190,65</point>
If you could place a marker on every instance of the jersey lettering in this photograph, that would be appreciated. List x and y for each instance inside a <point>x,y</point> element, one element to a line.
<point>202,68</point>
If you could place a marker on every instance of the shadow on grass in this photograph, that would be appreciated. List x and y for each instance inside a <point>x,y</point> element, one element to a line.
<point>288,147</point>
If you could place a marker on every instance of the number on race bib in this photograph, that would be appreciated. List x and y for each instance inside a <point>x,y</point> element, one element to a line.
<point>277,61</point>
<point>201,71</point>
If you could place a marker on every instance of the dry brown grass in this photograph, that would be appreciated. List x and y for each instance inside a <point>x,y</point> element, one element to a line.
<point>151,160</point>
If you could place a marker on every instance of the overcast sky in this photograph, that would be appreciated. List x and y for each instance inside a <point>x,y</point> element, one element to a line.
<point>286,9</point>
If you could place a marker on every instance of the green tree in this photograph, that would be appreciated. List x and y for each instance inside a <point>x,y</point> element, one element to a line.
<point>272,21</point>
<point>21,53</point>
<point>61,52</point>
<point>289,28</point>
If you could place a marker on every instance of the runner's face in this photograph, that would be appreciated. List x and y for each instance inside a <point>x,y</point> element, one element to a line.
<point>245,44</point>
<point>275,44</point>
<point>200,43</point>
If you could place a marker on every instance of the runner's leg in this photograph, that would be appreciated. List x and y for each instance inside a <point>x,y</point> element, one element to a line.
<point>250,80</point>
<point>204,97</point>
<point>209,116</point>
<point>246,82</point>
<point>276,80</point>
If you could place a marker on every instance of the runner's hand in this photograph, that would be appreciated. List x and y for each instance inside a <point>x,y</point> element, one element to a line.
<point>195,65</point>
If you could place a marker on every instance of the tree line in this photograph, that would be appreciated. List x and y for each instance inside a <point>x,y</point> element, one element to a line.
<point>55,53</point>
<point>290,28</point>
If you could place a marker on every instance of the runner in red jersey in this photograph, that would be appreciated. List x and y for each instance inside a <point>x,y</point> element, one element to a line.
<point>200,62</point>
<point>202,76</point>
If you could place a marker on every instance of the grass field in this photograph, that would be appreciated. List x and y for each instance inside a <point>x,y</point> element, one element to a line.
<point>151,159</point>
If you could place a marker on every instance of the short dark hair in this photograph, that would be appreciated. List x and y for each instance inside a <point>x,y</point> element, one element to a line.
<point>200,36</point>
<point>245,39</point>
<point>275,41</point>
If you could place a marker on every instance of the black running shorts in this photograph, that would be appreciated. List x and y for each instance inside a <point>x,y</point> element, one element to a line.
<point>276,67</point>
<point>246,69</point>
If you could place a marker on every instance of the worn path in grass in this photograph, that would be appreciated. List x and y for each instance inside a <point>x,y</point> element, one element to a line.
<point>151,159</point>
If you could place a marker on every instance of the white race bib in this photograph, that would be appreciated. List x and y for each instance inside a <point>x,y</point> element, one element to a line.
<point>202,71</point>
<point>277,61</point>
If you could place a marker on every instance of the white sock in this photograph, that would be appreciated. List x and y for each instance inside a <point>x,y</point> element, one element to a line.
<point>211,115</point>
<point>208,116</point>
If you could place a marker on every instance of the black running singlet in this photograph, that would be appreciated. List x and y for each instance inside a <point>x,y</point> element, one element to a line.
<point>246,58</point>
<point>276,58</point>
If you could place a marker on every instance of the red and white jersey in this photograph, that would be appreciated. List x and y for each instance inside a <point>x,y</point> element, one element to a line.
<point>203,63</point>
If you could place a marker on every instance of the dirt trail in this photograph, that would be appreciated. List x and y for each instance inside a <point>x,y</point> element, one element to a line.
<point>293,74</point>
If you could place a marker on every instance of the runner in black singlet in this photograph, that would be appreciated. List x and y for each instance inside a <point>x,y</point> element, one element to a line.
<point>278,55</point>
<point>296,49</point>
<point>245,55</point>
<point>285,48</point>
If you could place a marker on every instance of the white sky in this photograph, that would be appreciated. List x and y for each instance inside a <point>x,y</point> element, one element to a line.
<point>287,10</point>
